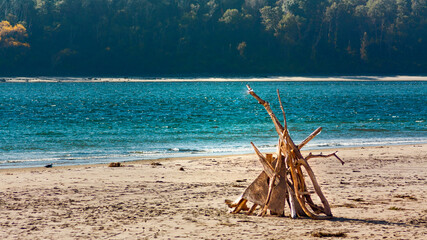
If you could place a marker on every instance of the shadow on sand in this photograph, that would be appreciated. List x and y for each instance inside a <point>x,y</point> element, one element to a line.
<point>367,221</point>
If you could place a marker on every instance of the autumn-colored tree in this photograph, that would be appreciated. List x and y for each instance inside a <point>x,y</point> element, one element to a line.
<point>12,36</point>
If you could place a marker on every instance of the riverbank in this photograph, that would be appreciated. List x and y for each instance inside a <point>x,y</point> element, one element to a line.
<point>379,193</point>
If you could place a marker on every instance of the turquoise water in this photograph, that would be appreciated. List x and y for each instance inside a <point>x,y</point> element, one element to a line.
<point>79,123</point>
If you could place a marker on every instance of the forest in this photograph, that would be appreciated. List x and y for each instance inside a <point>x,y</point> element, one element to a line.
<point>212,37</point>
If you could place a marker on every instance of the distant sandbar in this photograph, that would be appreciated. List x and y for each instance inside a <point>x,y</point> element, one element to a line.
<point>217,79</point>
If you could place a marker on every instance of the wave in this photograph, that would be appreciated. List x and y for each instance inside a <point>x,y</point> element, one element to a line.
<point>184,150</point>
<point>29,160</point>
<point>369,130</point>
<point>360,142</point>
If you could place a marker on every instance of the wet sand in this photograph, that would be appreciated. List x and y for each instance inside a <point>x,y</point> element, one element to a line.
<point>380,193</point>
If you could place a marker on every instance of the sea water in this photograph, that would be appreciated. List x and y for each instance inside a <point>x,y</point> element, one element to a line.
<point>67,123</point>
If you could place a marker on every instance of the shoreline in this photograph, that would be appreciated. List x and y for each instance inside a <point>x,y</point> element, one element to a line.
<point>219,79</point>
<point>379,193</point>
<point>196,157</point>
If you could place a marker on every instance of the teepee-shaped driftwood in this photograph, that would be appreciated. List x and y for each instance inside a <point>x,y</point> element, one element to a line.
<point>284,177</point>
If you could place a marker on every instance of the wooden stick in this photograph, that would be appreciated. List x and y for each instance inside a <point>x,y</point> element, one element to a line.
<point>291,202</point>
<point>301,179</point>
<point>279,127</point>
<point>324,156</point>
<point>284,168</point>
<point>279,161</point>
<point>266,165</point>
<point>252,209</point>
<point>306,193</point>
<point>301,200</point>
<point>283,110</point>
<point>291,147</point>
<point>267,200</point>
<point>317,209</point>
<point>318,189</point>
<point>296,185</point>
<point>277,169</point>
<point>231,204</point>
<point>269,157</point>
<point>296,206</point>
<point>311,136</point>
<point>241,206</point>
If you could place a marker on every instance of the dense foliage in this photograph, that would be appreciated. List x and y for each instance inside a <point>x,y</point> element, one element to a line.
<point>152,37</point>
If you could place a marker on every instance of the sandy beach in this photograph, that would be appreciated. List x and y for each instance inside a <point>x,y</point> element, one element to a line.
<point>380,193</point>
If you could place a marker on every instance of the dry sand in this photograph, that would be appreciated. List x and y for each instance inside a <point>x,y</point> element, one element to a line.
<point>380,193</point>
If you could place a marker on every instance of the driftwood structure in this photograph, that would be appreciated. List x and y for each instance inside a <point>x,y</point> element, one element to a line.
<point>287,177</point>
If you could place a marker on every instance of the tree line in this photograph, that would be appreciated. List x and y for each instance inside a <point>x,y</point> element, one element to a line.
<point>212,37</point>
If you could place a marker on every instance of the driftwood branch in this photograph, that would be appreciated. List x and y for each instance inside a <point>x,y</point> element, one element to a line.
<point>291,202</point>
<point>268,169</point>
<point>241,206</point>
<point>283,111</point>
<point>324,156</point>
<point>252,209</point>
<point>266,165</point>
<point>311,136</point>
<point>270,190</point>
<point>279,127</point>
<point>277,169</point>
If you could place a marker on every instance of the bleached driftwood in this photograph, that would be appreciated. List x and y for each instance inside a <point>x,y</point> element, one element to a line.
<point>285,182</point>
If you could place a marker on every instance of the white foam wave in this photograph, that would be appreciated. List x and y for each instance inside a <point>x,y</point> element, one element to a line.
<point>69,159</point>
<point>359,142</point>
